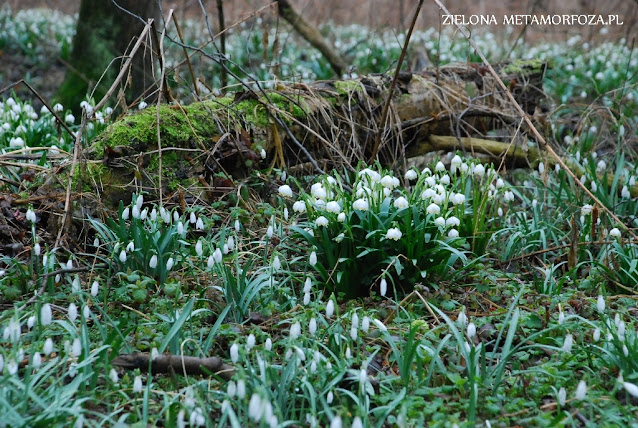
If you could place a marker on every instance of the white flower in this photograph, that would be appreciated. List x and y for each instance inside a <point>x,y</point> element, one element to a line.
<point>401,203</point>
<point>508,196</point>
<point>142,105</point>
<point>625,193</point>
<point>57,108</point>
<point>86,311</point>
<point>360,204</point>
<point>471,330</point>
<point>312,326</point>
<point>169,263</point>
<point>234,352</point>
<point>36,360</point>
<point>113,376</point>
<point>299,206</point>
<point>479,170</point>
<point>383,287</point>
<point>500,212</point>
<point>461,319</point>
<point>153,262</point>
<point>262,153</point>
<point>199,225</point>
<point>380,325</point>
<point>255,407</point>
<point>46,315</point>
<point>456,161</point>
<point>180,226</point>
<point>562,396</point>
<point>295,330</point>
<point>439,221</point>
<point>453,234</point>
<point>389,182</point>
<point>231,243</point>
<point>586,209</point>
<point>95,288</point>
<point>333,207</point>
<point>336,422</point>
<point>631,388</point>
<point>30,323</point>
<point>365,324</point>
<point>541,167</point>
<point>614,232</point>
<point>439,166</point>
<point>433,209</point>
<point>137,384</point>
<point>313,259</point>
<point>394,234</point>
<point>306,299</point>
<point>30,216</point>
<point>330,309</point>
<point>36,249</point>
<point>199,249</point>
<point>581,390</point>
<point>601,166</point>
<point>48,346</point>
<point>320,193</point>
<point>69,118</point>
<point>250,342</point>
<point>596,335</point>
<point>452,221</point>
<point>339,237</point>
<point>568,343</point>
<point>217,255</point>
<point>285,191</point>
<point>427,194</point>
<point>458,198</point>
<point>276,264</point>
<point>600,304</point>
<point>76,349</point>
<point>268,344</point>
<point>123,256</point>
<point>321,221</point>
<point>329,397</point>
<point>445,179</point>
<point>411,175</point>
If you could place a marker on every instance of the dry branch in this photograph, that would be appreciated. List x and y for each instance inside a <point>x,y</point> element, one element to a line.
<point>165,363</point>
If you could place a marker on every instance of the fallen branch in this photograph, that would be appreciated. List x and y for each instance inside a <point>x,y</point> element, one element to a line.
<point>166,363</point>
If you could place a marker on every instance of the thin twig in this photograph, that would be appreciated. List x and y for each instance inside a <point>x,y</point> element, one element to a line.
<point>386,106</point>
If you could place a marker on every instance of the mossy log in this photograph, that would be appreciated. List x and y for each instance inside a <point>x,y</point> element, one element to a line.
<point>331,124</point>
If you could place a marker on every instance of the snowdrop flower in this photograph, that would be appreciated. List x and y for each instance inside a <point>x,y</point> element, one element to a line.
<point>250,342</point>
<point>562,396</point>
<point>586,209</point>
<point>86,311</point>
<point>625,193</point>
<point>360,204</point>
<point>12,367</point>
<point>312,326</point>
<point>125,213</point>
<point>231,389</point>
<point>614,232</point>
<point>255,407</point>
<point>380,325</point>
<point>241,388</point>
<point>471,330</point>
<point>234,353</point>
<point>95,288</point>
<point>262,153</point>
<point>600,303</point>
<point>333,207</point>
<point>48,346</point>
<point>500,212</point>
<point>329,397</point>
<point>113,376</point>
<point>541,167</point>
<point>30,324</point>
<point>568,343</point>
<point>601,166</point>
<point>153,262</point>
<point>46,315</point>
<point>433,209</point>
<point>306,299</point>
<point>321,221</point>
<point>383,287</point>
<point>461,319</point>
<point>313,259</point>
<point>199,249</point>
<point>285,191</point>
<point>561,318</point>
<point>130,247</point>
<point>596,335</point>
<point>268,344</point>
<point>401,203</point>
<point>180,226</point>
<point>36,249</point>
<point>581,390</point>
<point>508,196</point>
<point>137,384</point>
<point>394,234</point>
<point>330,309</point>
<point>169,263</point>
<point>295,330</point>
<point>276,264</point>
<point>76,349</point>
<point>631,388</point>
<point>411,175</point>
<point>199,225</point>
<point>30,216</point>
<point>365,324</point>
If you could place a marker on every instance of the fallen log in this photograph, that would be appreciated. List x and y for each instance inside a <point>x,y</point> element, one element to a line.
<point>165,363</point>
<point>333,123</point>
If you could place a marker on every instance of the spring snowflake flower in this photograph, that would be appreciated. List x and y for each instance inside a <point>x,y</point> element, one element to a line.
<point>341,217</point>
<point>390,182</point>
<point>445,179</point>
<point>333,207</point>
<point>153,262</point>
<point>427,194</point>
<point>479,170</point>
<point>458,198</point>
<point>433,209</point>
<point>394,234</point>
<point>321,221</point>
<point>401,203</point>
<point>439,221</point>
<point>452,221</point>
<point>339,237</point>
<point>285,191</point>
<point>439,166</point>
<point>614,232</point>
<point>411,175</point>
<point>360,204</point>
<point>320,193</point>
<point>453,234</point>
<point>69,118</point>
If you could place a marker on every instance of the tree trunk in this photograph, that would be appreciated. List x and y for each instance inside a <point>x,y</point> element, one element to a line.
<point>106,32</point>
<point>329,125</point>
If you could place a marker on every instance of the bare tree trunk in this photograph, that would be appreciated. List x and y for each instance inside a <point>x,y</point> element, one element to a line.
<point>105,31</point>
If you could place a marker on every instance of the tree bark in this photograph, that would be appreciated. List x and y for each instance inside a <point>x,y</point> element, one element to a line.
<point>104,32</point>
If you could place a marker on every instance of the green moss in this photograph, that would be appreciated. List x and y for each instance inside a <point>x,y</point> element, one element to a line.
<point>346,87</point>
<point>518,66</point>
